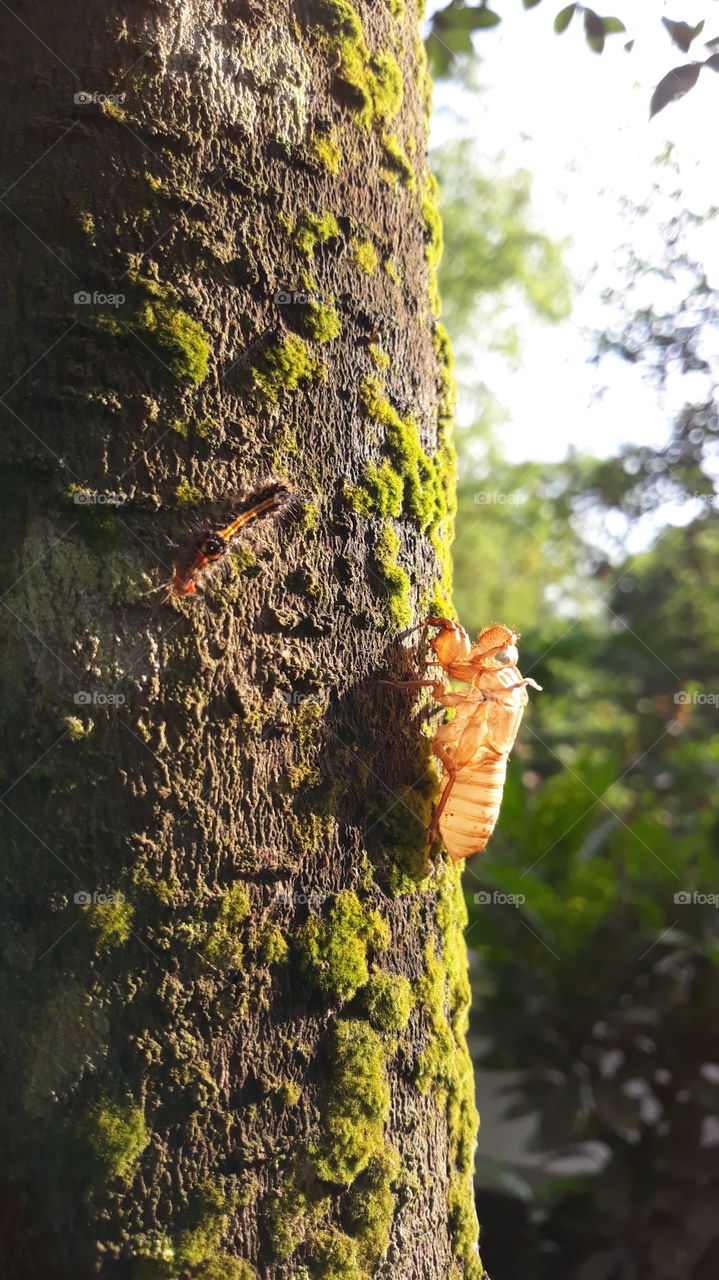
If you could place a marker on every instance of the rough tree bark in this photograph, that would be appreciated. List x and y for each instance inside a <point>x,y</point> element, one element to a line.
<point>249,1059</point>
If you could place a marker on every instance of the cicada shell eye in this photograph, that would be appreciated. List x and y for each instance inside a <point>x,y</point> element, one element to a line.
<point>495,637</point>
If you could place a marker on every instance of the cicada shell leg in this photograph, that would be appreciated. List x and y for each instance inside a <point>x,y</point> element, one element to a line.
<point>446,791</point>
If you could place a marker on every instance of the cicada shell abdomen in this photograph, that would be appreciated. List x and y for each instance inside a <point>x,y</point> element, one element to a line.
<point>479,755</point>
<point>470,814</point>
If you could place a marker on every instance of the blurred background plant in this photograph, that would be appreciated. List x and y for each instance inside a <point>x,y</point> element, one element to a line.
<point>594,924</point>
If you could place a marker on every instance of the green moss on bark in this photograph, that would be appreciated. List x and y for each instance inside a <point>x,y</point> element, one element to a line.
<point>394,578</point>
<point>179,342</point>
<point>117,1137</point>
<point>319,322</point>
<point>370,1206</point>
<point>381,493</point>
<point>433,236</point>
<point>445,1068</point>
<point>423,496</point>
<point>332,952</point>
<point>78,729</point>
<point>396,167</point>
<point>222,945</point>
<point>280,368</point>
<point>273,949</point>
<point>312,229</point>
<point>333,1256</point>
<point>364,254</point>
<point>372,83</point>
<point>292,1213</point>
<point>111,923</point>
<point>388,999</point>
<point>355,1105</point>
<point>326,150</point>
<point>188,495</point>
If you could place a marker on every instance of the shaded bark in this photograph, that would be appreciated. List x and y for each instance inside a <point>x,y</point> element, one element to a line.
<point>211,1074</point>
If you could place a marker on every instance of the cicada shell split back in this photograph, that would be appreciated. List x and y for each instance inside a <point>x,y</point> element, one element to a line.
<point>474,747</point>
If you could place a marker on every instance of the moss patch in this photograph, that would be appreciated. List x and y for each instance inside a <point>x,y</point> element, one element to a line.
<point>226,1268</point>
<point>433,236</point>
<point>319,322</point>
<point>280,368</point>
<point>394,578</point>
<point>333,1256</point>
<point>222,946</point>
<point>117,1137</point>
<point>178,341</point>
<point>379,357</point>
<point>333,951</point>
<point>355,1107</point>
<point>371,1204</point>
<point>423,495</point>
<point>388,1000</point>
<point>373,83</point>
<point>111,922</point>
<point>291,1213</point>
<point>396,167</point>
<point>272,946</point>
<point>188,495</point>
<point>312,229</point>
<point>364,255</point>
<point>428,485</point>
<point>381,493</point>
<point>78,729</point>
<point>199,1246</point>
<point>445,1067</point>
<point>324,148</point>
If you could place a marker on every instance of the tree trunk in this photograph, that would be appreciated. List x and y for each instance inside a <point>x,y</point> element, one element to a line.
<point>235,1002</point>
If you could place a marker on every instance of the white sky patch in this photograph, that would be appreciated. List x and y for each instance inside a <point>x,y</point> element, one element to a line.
<point>579,123</point>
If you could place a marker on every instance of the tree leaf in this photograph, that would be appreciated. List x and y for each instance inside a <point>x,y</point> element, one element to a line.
<point>594,30</point>
<point>439,56</point>
<point>483,17</point>
<point>563,19</point>
<point>681,33</point>
<point>460,18</point>
<point>529,4</point>
<point>713,62</point>
<point>613,26</point>
<point>674,86</point>
<point>629,46</point>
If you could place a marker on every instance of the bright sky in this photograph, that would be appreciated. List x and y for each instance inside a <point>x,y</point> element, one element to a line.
<point>579,123</point>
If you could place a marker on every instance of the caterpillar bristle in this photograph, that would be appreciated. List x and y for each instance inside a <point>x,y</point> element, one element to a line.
<point>196,561</point>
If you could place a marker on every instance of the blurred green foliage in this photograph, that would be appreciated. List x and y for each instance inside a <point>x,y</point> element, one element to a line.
<point>597,983</point>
